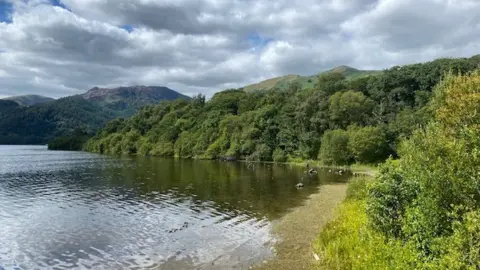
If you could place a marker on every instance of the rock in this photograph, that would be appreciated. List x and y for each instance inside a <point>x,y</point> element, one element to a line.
<point>299,185</point>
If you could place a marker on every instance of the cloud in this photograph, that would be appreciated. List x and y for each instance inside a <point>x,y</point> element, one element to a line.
<point>63,47</point>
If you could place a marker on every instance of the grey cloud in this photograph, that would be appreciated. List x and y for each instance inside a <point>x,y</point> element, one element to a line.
<point>414,25</point>
<point>203,46</point>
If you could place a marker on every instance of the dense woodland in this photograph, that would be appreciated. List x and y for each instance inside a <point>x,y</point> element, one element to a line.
<point>339,121</point>
<point>42,122</point>
<point>72,142</point>
<point>423,209</point>
<point>23,122</point>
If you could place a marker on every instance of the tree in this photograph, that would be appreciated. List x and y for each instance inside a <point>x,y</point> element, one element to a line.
<point>331,82</point>
<point>368,144</point>
<point>348,108</point>
<point>430,198</point>
<point>334,148</point>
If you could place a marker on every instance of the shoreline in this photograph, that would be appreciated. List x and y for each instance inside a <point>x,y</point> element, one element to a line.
<point>298,229</point>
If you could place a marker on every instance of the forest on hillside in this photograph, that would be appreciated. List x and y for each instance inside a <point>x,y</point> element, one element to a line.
<point>40,123</point>
<point>339,121</point>
<point>22,121</point>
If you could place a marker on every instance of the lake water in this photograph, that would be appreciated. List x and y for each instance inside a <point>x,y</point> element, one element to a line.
<point>64,210</point>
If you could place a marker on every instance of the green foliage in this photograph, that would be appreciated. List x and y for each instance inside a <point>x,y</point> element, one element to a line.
<point>348,108</point>
<point>47,119</point>
<point>331,83</point>
<point>289,122</point>
<point>41,123</point>
<point>387,199</point>
<point>424,207</point>
<point>334,149</point>
<point>279,155</point>
<point>73,142</point>
<point>368,144</point>
<point>357,188</point>
<point>348,241</point>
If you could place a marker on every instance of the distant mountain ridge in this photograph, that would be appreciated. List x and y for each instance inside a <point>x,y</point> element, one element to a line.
<point>29,100</point>
<point>146,93</point>
<point>283,82</point>
<point>41,122</point>
<point>128,99</point>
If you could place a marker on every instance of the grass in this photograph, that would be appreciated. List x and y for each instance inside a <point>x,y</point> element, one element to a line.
<point>348,242</point>
<point>271,83</point>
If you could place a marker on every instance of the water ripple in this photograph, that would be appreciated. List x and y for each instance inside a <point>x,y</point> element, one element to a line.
<point>62,210</point>
<point>73,210</point>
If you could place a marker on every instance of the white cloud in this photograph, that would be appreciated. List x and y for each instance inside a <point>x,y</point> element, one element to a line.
<point>204,46</point>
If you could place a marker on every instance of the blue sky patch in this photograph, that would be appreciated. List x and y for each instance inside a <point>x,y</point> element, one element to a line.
<point>128,27</point>
<point>5,11</point>
<point>58,3</point>
<point>256,40</point>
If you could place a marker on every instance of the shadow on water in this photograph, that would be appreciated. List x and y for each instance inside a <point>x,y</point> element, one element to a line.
<point>71,209</point>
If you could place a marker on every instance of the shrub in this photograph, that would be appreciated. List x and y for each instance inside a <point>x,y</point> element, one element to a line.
<point>279,155</point>
<point>348,242</point>
<point>387,199</point>
<point>334,148</point>
<point>368,144</point>
<point>423,198</point>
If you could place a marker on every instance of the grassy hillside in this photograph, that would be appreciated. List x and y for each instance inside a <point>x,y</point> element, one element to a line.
<point>283,82</point>
<point>271,83</point>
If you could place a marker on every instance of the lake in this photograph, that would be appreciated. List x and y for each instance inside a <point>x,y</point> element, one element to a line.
<point>64,210</point>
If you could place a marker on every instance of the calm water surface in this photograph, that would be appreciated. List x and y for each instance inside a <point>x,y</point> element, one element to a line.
<point>64,210</point>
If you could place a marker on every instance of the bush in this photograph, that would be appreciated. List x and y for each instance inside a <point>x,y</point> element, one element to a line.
<point>348,242</point>
<point>334,148</point>
<point>357,188</point>
<point>423,211</point>
<point>368,144</point>
<point>279,155</point>
<point>387,199</point>
<point>423,197</point>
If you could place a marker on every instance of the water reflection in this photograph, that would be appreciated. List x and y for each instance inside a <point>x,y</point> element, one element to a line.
<point>81,210</point>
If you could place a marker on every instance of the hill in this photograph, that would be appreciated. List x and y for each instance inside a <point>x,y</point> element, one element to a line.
<point>29,100</point>
<point>305,82</point>
<point>127,100</point>
<point>40,123</point>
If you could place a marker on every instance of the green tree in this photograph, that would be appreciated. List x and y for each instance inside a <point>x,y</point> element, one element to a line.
<point>331,82</point>
<point>434,189</point>
<point>334,148</point>
<point>349,107</point>
<point>368,144</point>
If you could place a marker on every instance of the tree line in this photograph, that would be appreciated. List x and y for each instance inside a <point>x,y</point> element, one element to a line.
<point>339,121</point>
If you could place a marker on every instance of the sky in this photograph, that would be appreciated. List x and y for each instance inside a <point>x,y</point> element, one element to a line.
<point>63,47</point>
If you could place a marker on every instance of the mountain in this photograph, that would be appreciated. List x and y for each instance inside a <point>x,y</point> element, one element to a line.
<point>283,82</point>
<point>29,100</point>
<point>127,100</point>
<point>40,123</point>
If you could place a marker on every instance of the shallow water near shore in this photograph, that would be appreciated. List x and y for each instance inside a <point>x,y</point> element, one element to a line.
<point>66,210</point>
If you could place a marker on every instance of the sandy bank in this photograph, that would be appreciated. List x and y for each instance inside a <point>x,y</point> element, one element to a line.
<point>298,229</point>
